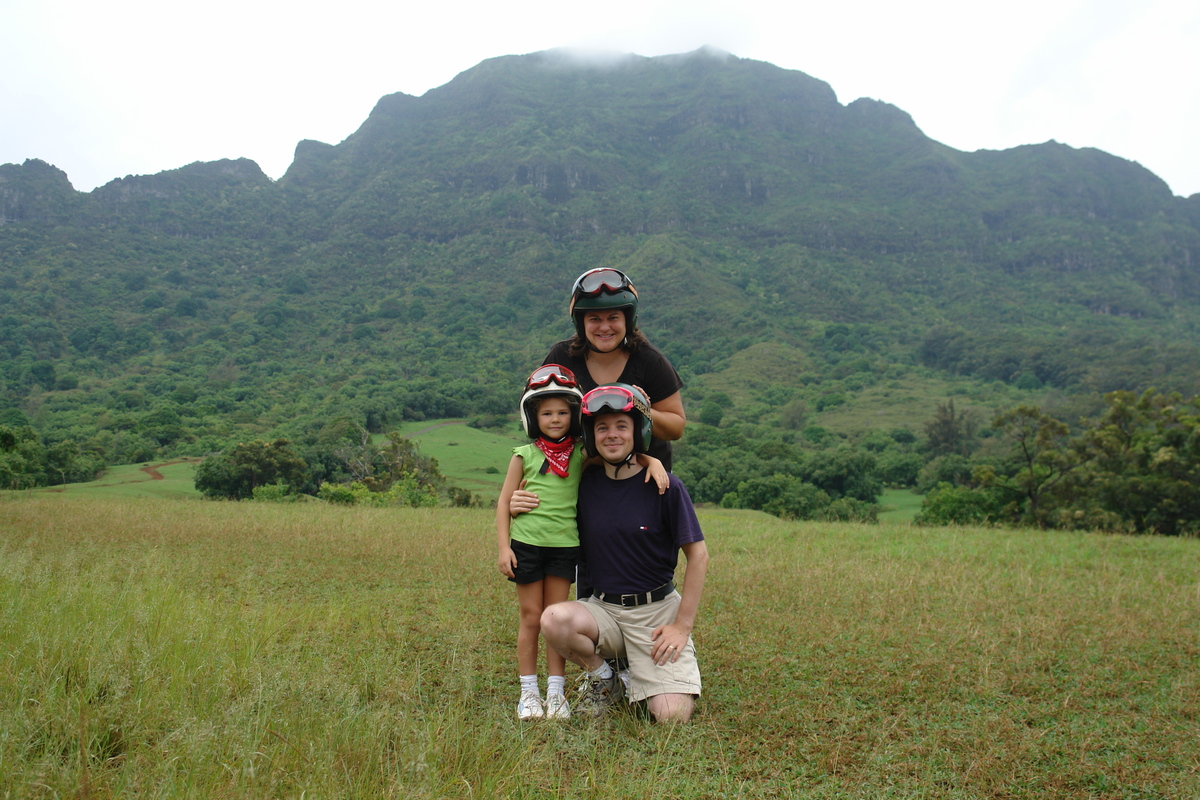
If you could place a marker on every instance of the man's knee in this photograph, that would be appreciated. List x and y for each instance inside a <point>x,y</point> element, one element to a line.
<point>671,707</point>
<point>558,619</point>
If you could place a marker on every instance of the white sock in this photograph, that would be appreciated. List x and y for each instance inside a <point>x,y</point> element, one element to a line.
<point>529,683</point>
<point>556,684</point>
<point>603,672</point>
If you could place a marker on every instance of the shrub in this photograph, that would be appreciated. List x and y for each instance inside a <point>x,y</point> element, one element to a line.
<point>274,493</point>
<point>958,505</point>
<point>407,491</point>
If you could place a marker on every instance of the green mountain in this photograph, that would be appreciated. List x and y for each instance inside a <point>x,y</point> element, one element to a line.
<point>802,262</point>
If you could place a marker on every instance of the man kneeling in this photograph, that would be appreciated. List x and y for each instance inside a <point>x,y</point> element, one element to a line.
<point>630,538</point>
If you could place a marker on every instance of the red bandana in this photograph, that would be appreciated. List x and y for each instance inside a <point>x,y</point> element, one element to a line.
<point>558,454</point>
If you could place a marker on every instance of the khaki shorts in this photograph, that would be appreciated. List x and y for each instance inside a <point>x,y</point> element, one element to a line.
<point>625,633</point>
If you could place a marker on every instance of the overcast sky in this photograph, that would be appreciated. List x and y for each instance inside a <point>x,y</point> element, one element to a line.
<point>107,89</point>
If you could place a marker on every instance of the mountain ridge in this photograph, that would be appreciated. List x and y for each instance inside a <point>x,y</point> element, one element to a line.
<point>750,206</point>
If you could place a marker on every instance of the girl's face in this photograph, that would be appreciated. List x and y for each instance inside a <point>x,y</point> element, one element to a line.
<point>554,417</point>
<point>605,329</point>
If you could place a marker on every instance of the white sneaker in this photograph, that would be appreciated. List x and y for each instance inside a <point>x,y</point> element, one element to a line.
<point>625,679</point>
<point>557,706</point>
<point>530,706</point>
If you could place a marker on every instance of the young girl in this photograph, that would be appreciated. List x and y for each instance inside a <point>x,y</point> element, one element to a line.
<point>538,550</point>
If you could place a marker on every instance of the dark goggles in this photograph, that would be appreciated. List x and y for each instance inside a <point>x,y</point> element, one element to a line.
<point>605,279</point>
<point>608,400</point>
<point>551,373</point>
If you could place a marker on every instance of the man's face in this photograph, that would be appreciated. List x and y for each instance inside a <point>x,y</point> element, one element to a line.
<point>614,436</point>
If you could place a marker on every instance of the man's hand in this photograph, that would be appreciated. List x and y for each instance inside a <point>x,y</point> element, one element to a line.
<point>669,641</point>
<point>521,501</point>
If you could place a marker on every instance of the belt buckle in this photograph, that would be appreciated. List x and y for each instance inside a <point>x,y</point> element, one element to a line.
<point>631,600</point>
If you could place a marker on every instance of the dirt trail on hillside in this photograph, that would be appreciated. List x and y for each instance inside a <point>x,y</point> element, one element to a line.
<point>435,427</point>
<point>153,472</point>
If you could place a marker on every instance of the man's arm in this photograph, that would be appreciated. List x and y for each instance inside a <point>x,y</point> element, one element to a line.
<point>669,640</point>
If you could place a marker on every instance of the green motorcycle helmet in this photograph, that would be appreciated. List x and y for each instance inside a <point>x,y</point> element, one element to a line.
<point>617,398</point>
<point>603,289</point>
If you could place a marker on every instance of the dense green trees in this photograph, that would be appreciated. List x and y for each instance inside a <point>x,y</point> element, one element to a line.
<point>779,477</point>
<point>1142,460</point>
<point>27,461</point>
<point>343,465</point>
<point>236,473</point>
<point>1136,468</point>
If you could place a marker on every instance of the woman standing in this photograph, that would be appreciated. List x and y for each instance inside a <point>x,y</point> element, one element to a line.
<point>608,348</point>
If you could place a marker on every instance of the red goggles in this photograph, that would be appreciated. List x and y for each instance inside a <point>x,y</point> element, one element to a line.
<point>604,279</point>
<point>608,400</point>
<point>551,373</point>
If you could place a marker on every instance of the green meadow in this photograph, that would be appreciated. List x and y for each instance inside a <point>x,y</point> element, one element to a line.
<point>471,458</point>
<point>171,479</point>
<point>898,505</point>
<point>159,647</point>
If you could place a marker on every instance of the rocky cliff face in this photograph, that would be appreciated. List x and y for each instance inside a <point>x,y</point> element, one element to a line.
<point>35,193</point>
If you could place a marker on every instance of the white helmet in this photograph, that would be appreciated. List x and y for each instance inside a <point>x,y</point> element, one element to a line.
<point>550,380</point>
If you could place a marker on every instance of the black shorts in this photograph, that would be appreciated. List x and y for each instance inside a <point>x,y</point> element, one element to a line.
<point>534,562</point>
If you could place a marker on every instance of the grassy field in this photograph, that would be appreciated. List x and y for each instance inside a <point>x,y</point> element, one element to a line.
<point>162,648</point>
<point>470,458</point>
<point>898,505</point>
<point>172,479</point>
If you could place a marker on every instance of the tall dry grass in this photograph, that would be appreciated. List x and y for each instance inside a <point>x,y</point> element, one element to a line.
<point>194,649</point>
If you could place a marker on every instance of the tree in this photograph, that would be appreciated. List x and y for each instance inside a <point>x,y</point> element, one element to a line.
<point>844,472</point>
<point>784,496</point>
<point>711,413</point>
<point>1045,456</point>
<point>378,468</point>
<point>236,473</point>
<point>949,432</point>
<point>1144,455</point>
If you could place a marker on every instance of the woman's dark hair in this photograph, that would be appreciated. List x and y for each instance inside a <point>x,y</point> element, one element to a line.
<point>633,343</point>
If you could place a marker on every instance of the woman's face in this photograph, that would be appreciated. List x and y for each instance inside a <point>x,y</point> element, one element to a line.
<point>605,329</point>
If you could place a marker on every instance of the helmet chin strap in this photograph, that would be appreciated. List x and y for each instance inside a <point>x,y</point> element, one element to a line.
<point>627,461</point>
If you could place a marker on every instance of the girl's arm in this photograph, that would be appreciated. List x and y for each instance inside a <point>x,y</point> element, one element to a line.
<point>655,471</point>
<point>512,481</point>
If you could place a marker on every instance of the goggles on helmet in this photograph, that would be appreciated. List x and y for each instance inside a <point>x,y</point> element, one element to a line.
<point>551,373</point>
<point>608,399</point>
<point>604,279</point>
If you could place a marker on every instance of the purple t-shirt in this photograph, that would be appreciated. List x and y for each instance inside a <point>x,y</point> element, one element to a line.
<point>630,534</point>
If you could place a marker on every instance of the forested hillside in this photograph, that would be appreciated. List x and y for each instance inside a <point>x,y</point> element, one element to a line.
<point>814,269</point>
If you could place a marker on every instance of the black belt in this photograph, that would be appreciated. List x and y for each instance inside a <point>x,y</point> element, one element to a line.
<point>638,598</point>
